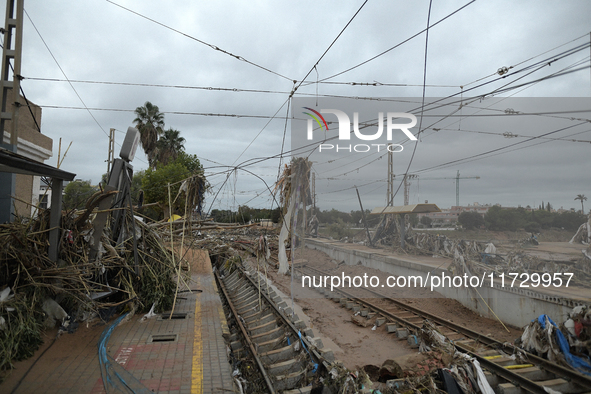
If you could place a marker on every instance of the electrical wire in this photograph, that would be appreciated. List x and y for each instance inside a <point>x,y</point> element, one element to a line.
<point>214,47</point>
<point>399,44</point>
<point>497,149</point>
<point>327,49</point>
<point>64,74</point>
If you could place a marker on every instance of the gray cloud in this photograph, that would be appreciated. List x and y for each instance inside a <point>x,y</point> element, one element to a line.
<point>101,42</point>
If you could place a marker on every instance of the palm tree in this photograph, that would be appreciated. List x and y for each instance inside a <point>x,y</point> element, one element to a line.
<point>582,198</point>
<point>168,146</point>
<point>149,122</point>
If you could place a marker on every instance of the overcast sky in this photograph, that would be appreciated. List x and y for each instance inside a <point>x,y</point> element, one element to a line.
<point>101,42</point>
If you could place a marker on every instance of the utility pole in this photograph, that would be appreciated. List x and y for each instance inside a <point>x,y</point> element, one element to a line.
<point>457,179</point>
<point>458,189</point>
<point>406,187</point>
<point>313,193</point>
<point>13,44</point>
<point>390,191</point>
<point>9,100</point>
<point>111,150</point>
<point>363,216</point>
<point>407,178</point>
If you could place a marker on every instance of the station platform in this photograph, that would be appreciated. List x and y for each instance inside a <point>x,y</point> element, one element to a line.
<point>186,354</point>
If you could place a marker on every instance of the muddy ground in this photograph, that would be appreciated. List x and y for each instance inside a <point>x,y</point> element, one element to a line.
<point>357,346</point>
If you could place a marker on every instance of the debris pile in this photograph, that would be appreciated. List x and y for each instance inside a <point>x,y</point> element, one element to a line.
<point>388,231</point>
<point>583,236</point>
<point>477,258</point>
<point>439,367</point>
<point>568,345</point>
<point>132,275</point>
<point>294,193</point>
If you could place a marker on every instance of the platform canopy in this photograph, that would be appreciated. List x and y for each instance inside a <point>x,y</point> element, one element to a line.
<point>403,209</point>
<point>18,164</point>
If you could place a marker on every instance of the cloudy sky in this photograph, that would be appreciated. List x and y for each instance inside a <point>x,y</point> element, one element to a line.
<point>224,105</point>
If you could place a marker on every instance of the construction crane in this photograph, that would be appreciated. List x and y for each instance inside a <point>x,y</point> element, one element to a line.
<point>457,178</point>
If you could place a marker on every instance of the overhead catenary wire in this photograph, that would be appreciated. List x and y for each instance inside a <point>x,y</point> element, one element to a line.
<point>64,73</point>
<point>422,105</point>
<point>327,49</point>
<point>397,45</point>
<point>214,47</point>
<point>503,70</point>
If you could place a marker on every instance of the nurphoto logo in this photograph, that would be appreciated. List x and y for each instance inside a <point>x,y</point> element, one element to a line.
<point>345,130</point>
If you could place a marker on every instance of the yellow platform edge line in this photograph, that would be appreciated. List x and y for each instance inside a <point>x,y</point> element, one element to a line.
<point>197,365</point>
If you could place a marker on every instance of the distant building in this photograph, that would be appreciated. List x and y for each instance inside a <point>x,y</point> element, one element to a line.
<point>450,215</point>
<point>33,145</point>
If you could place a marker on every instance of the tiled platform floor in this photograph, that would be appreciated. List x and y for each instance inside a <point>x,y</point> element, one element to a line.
<point>195,362</point>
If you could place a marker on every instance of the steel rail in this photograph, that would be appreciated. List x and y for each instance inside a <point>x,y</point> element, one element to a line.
<point>287,322</point>
<point>558,370</point>
<point>245,335</point>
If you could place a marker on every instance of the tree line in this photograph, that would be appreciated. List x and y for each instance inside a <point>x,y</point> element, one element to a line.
<point>502,219</point>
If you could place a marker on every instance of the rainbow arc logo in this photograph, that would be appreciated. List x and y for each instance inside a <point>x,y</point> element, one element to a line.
<point>316,118</point>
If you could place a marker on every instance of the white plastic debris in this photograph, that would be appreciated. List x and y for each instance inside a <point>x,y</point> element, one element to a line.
<point>490,249</point>
<point>54,312</point>
<point>570,326</point>
<point>149,314</point>
<point>5,295</point>
<point>374,327</point>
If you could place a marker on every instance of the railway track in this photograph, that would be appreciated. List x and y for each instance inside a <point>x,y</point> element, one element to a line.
<point>290,360</point>
<point>504,373</point>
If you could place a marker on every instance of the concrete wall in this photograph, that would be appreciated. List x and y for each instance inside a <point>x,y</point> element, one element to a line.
<point>34,145</point>
<point>516,306</point>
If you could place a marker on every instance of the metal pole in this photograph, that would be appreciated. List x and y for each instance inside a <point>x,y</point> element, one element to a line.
<point>402,230</point>
<point>16,80</point>
<point>314,193</point>
<point>458,189</point>
<point>9,99</point>
<point>390,191</point>
<point>363,216</point>
<point>55,215</point>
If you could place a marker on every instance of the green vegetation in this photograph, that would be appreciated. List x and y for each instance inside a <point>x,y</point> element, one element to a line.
<point>76,193</point>
<point>155,185</point>
<point>499,219</point>
<point>471,220</point>
<point>169,164</point>
<point>245,214</point>
<point>426,221</point>
<point>150,123</point>
<point>582,198</point>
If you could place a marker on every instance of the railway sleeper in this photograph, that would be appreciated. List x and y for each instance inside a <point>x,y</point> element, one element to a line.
<point>241,289</point>
<point>558,384</point>
<point>259,321</point>
<point>303,390</point>
<point>248,296</point>
<point>273,344</point>
<point>531,373</point>
<point>289,381</point>
<point>278,355</point>
<point>287,367</point>
<point>251,316</point>
<point>269,335</point>
<point>233,283</point>
<point>266,327</point>
<point>535,374</point>
<point>252,306</point>
<point>243,304</point>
